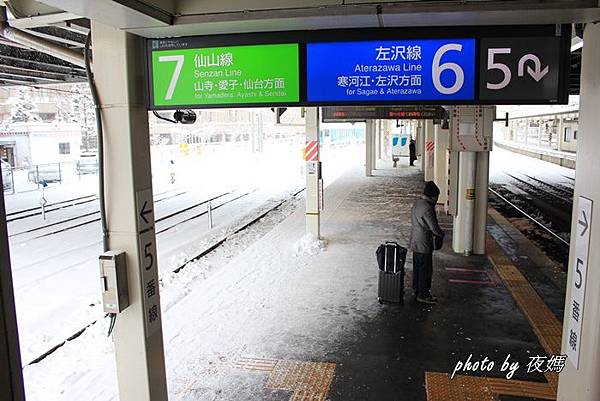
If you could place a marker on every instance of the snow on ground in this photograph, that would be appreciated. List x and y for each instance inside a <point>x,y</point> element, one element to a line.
<point>503,161</point>
<point>309,245</point>
<point>225,305</point>
<point>69,263</point>
<point>230,291</point>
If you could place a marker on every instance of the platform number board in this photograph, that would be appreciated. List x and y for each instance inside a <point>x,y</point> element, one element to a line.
<point>516,68</point>
<point>148,261</point>
<point>395,66</point>
<point>578,279</point>
<point>435,69</point>
<point>252,74</point>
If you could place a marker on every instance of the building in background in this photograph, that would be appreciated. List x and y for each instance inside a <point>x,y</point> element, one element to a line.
<point>23,145</point>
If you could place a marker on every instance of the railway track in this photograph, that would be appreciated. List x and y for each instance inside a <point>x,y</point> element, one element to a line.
<point>201,254</point>
<point>92,220</point>
<point>90,245</point>
<point>565,192</point>
<point>52,207</point>
<point>531,218</point>
<point>559,195</point>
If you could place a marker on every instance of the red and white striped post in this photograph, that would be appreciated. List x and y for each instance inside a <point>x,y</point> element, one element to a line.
<point>429,149</point>
<point>314,183</point>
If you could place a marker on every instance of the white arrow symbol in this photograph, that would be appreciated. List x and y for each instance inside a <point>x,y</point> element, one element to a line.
<point>536,74</point>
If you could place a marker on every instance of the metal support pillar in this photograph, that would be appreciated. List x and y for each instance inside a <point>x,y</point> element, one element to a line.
<point>257,134</point>
<point>462,238</point>
<point>440,161</point>
<point>369,134</point>
<point>313,175</point>
<point>468,163</point>
<point>420,129</point>
<point>376,127</point>
<point>385,129</point>
<point>119,72</point>
<point>11,371</point>
<point>428,151</point>
<point>581,383</point>
<point>559,135</point>
<point>380,131</point>
<point>482,179</point>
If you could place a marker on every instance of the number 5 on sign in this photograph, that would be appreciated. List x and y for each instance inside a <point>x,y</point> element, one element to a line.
<point>175,77</point>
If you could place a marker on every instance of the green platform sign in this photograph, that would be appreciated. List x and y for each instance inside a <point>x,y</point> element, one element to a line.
<point>252,74</point>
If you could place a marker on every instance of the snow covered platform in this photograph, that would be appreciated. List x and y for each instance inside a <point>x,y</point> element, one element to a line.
<point>288,319</point>
<point>562,158</point>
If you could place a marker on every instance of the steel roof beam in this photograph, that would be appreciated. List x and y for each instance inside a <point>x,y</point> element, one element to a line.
<point>33,79</point>
<point>41,20</point>
<point>55,38</point>
<point>9,69</point>
<point>65,69</point>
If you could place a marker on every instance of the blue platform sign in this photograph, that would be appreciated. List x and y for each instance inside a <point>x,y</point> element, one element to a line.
<point>391,70</point>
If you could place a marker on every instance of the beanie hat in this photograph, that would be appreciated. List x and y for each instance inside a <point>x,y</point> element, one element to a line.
<point>431,190</point>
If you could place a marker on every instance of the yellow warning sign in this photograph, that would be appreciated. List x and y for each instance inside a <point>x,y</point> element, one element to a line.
<point>470,194</point>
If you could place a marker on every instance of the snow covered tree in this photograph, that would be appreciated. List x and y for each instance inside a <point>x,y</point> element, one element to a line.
<point>22,110</point>
<point>82,113</point>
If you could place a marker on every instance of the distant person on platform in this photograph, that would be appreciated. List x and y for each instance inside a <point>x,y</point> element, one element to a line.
<point>426,236</point>
<point>412,150</point>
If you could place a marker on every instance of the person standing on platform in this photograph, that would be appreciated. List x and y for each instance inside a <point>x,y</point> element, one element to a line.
<point>412,150</point>
<point>426,236</point>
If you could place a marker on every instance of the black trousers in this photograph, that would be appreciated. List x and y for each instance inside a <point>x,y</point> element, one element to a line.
<point>422,272</point>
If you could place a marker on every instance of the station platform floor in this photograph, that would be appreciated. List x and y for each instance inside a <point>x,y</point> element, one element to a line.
<point>277,323</point>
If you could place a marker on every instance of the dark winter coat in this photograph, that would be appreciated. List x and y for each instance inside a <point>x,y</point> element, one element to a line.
<point>412,149</point>
<point>424,226</point>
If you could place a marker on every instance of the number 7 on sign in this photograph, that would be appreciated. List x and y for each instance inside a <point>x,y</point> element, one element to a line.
<point>179,60</point>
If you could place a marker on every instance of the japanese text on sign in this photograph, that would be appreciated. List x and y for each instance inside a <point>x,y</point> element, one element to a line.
<point>148,261</point>
<point>236,74</point>
<point>391,70</point>
<point>578,277</point>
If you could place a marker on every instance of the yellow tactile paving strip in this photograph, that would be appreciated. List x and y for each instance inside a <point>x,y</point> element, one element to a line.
<point>255,364</point>
<point>543,322</point>
<point>308,381</point>
<point>471,388</point>
<point>545,325</point>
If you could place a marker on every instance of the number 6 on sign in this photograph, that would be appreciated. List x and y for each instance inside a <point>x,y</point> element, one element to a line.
<point>437,69</point>
<point>175,77</point>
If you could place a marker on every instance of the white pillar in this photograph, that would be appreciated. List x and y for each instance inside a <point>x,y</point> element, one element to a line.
<point>420,129</point>
<point>385,140</point>
<point>369,133</point>
<point>257,133</point>
<point>560,135</point>
<point>378,142</point>
<point>313,176</point>
<point>582,384</point>
<point>481,202</point>
<point>440,161</point>
<point>118,65</point>
<point>469,159</point>
<point>376,128</point>
<point>462,238</point>
<point>429,145</point>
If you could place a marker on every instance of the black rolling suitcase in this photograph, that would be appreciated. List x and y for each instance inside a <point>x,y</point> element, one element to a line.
<point>391,258</point>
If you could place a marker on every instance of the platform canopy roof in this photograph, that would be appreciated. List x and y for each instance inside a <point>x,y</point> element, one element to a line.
<point>66,22</point>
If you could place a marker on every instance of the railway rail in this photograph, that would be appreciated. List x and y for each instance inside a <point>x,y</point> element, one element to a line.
<point>201,254</point>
